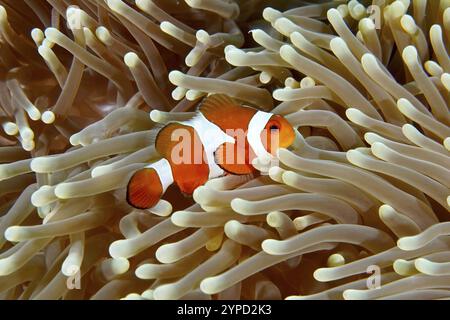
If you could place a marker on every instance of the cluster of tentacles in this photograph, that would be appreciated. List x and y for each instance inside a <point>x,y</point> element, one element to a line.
<point>360,200</point>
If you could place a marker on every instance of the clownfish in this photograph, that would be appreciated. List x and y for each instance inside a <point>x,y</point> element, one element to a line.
<point>222,138</point>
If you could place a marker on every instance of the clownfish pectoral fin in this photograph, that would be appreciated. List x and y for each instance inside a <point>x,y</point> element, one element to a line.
<point>144,189</point>
<point>233,159</point>
<point>190,176</point>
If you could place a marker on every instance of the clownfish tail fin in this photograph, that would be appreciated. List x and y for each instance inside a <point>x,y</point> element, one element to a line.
<point>144,189</point>
<point>148,185</point>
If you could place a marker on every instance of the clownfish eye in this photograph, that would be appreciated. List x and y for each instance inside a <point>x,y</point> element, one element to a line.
<point>274,127</point>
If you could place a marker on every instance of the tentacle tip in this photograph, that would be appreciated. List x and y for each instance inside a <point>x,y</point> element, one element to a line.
<point>370,137</point>
<point>207,285</point>
<point>51,33</point>
<point>116,249</point>
<point>267,246</point>
<point>155,115</point>
<point>333,12</point>
<point>3,13</point>
<point>319,275</point>
<point>286,51</point>
<point>368,59</point>
<point>61,191</point>
<point>353,156</point>
<point>13,233</point>
<point>48,117</point>
<point>404,244</point>
<point>409,54</point>
<point>354,115</point>
<point>337,44</point>
<point>131,59</point>
<point>236,204</point>
<point>378,148</point>
<point>114,4</point>
<point>175,76</point>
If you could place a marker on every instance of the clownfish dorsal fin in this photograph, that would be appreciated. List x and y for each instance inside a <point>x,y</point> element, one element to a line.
<point>218,105</point>
<point>226,112</point>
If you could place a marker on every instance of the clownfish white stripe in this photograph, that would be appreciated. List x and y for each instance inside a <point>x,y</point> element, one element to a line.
<point>255,127</point>
<point>211,137</point>
<point>164,171</point>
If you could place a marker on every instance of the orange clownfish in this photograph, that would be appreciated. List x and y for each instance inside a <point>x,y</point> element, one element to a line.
<point>223,138</point>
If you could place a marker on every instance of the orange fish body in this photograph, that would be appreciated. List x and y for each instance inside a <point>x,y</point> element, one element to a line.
<point>223,138</point>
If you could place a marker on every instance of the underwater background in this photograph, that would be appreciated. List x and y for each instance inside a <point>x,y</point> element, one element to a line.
<point>360,201</point>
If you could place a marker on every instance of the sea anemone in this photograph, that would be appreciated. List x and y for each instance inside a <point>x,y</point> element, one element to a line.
<point>361,200</point>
